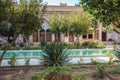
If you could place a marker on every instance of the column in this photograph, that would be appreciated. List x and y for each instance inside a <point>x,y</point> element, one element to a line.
<point>68,37</point>
<point>80,39</point>
<point>38,35</point>
<point>53,37</point>
<point>61,37</point>
<point>31,38</point>
<point>93,35</point>
<point>100,32</point>
<point>74,38</point>
<point>45,35</point>
<point>21,38</point>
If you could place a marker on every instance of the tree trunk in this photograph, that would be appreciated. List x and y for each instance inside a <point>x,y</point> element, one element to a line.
<point>27,41</point>
<point>7,48</point>
<point>77,42</point>
<point>57,37</point>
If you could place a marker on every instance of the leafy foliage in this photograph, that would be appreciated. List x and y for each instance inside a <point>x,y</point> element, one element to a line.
<point>100,70</point>
<point>110,56</point>
<point>13,60</point>
<point>79,77</point>
<point>105,11</point>
<point>23,19</point>
<point>35,47</point>
<point>93,45</point>
<point>5,14</point>
<point>43,43</point>
<point>75,23</point>
<point>54,23</point>
<point>115,70</point>
<point>27,62</point>
<point>117,52</point>
<point>73,46</point>
<point>55,54</point>
<point>53,73</point>
<point>94,62</point>
<point>28,16</point>
<point>79,22</point>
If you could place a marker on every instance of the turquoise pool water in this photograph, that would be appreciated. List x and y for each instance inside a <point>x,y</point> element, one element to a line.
<point>39,53</point>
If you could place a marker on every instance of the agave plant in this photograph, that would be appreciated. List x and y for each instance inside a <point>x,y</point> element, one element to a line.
<point>55,54</point>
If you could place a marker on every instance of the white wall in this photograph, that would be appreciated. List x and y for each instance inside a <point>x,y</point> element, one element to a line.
<point>73,60</point>
<point>113,35</point>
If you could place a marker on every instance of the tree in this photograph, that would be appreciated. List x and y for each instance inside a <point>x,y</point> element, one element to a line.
<point>76,23</point>
<point>57,24</point>
<point>54,25</point>
<point>106,12</point>
<point>24,18</point>
<point>30,18</point>
<point>79,23</point>
<point>5,12</point>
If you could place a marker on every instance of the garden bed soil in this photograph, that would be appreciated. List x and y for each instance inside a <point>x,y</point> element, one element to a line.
<point>22,73</point>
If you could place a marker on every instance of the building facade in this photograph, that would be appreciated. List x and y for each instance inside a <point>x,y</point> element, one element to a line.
<point>45,35</point>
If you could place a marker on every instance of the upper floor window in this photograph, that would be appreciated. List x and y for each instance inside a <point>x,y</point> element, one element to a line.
<point>90,36</point>
<point>84,36</point>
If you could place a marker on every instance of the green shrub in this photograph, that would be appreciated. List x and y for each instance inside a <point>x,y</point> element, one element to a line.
<point>16,48</point>
<point>101,45</point>
<point>100,70</point>
<point>26,48</point>
<point>78,77</point>
<point>115,70</point>
<point>43,43</point>
<point>54,73</point>
<point>5,45</point>
<point>35,47</point>
<point>117,52</point>
<point>94,62</point>
<point>38,76</point>
<point>21,44</point>
<point>72,46</point>
<point>13,60</point>
<point>85,44</point>
<point>55,54</point>
<point>69,46</point>
<point>77,45</point>
<point>92,45</point>
<point>27,62</point>
<point>31,44</point>
<point>89,44</point>
<point>110,56</point>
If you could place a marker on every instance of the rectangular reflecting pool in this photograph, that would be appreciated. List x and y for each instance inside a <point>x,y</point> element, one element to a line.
<point>39,53</point>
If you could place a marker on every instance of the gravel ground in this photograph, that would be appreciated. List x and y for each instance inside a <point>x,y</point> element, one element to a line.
<point>26,75</point>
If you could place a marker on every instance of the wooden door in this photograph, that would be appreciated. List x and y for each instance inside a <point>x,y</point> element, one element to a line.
<point>42,35</point>
<point>48,36</point>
